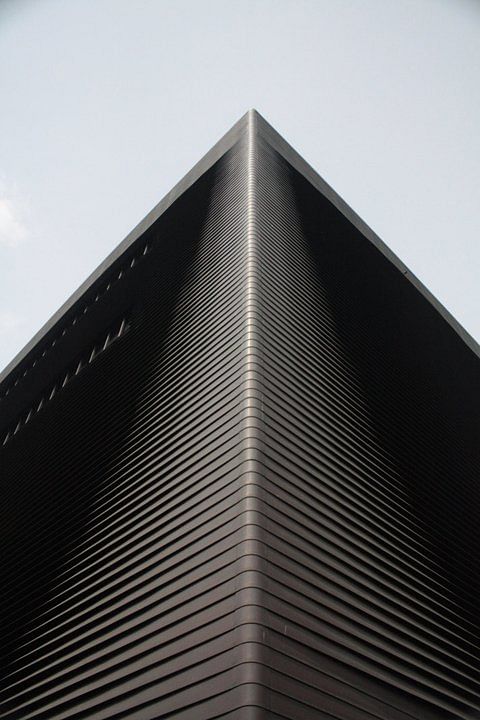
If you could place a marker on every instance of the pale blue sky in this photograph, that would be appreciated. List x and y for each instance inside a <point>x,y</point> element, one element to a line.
<point>106,104</point>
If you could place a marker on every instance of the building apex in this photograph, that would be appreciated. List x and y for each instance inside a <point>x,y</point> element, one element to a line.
<point>231,137</point>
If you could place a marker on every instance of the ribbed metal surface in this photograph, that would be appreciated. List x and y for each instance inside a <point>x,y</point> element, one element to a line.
<point>369,490</point>
<point>261,500</point>
<point>127,505</point>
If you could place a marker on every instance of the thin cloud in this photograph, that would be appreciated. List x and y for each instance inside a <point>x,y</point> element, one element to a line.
<point>12,229</point>
<point>9,321</point>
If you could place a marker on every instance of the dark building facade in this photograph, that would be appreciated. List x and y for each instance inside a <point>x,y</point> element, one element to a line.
<point>240,470</point>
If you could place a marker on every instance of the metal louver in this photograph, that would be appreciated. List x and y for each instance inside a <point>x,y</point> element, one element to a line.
<point>239,470</point>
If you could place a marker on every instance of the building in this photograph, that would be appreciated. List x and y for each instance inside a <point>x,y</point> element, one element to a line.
<point>240,470</point>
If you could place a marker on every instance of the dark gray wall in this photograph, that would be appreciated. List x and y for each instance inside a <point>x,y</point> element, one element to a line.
<point>368,486</point>
<point>260,499</point>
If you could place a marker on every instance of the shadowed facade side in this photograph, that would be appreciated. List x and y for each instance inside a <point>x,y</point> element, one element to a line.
<point>239,470</point>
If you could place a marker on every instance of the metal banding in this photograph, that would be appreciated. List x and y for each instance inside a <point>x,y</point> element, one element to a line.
<point>262,499</point>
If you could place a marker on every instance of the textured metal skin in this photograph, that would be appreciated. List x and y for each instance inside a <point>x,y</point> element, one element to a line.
<point>260,500</point>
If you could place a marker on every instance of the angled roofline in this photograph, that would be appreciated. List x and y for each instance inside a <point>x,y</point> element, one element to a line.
<point>296,160</point>
<point>257,123</point>
<point>211,157</point>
